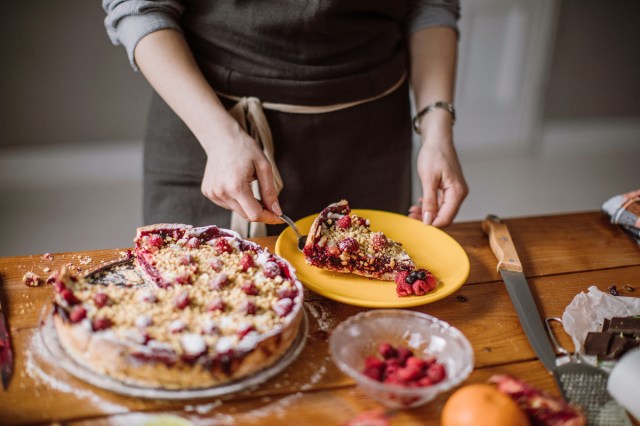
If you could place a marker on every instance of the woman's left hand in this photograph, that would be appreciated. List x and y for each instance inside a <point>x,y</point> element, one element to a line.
<point>443,184</point>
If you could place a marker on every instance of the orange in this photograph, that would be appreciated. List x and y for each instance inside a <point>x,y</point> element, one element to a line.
<point>482,405</point>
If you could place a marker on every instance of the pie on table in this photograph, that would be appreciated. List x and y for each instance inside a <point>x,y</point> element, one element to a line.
<point>339,241</point>
<point>215,308</point>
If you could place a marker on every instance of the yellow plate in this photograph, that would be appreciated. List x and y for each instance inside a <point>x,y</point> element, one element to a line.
<point>428,246</point>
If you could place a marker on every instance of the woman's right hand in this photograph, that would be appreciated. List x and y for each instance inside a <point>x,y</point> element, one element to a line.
<point>234,160</point>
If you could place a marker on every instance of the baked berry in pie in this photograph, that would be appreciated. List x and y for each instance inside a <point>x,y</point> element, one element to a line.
<point>214,308</point>
<point>343,242</point>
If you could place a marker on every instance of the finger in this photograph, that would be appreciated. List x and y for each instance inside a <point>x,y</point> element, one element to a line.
<point>451,200</point>
<point>254,210</point>
<point>268,192</point>
<point>415,212</point>
<point>235,206</point>
<point>242,194</point>
<point>215,199</point>
<point>429,201</point>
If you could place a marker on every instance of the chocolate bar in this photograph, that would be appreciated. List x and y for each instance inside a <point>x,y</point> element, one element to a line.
<point>625,325</point>
<point>618,336</point>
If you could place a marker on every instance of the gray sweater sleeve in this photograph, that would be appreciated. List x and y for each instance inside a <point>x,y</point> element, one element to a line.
<point>432,13</point>
<point>128,21</point>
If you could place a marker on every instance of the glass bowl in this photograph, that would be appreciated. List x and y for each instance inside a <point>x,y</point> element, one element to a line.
<point>360,335</point>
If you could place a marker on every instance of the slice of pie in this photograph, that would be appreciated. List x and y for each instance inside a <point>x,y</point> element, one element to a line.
<point>342,242</point>
<point>213,308</point>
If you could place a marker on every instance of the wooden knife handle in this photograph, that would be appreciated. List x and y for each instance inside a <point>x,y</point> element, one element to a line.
<point>501,244</point>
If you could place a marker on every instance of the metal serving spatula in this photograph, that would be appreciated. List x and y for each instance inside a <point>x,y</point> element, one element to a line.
<point>581,384</point>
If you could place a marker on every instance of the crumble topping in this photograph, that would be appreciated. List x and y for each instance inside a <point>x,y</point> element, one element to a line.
<point>214,295</point>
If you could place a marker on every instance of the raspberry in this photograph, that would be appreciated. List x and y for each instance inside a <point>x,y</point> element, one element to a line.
<point>219,281</point>
<point>436,372</point>
<point>417,363</point>
<point>216,264</point>
<point>387,350</point>
<point>156,240</point>
<point>101,324</point>
<point>349,245</point>
<point>186,259</point>
<point>344,222</point>
<point>77,314</point>
<point>221,245</point>
<point>100,299</point>
<point>409,374</point>
<point>288,292</point>
<point>372,361</point>
<point>374,372</point>
<point>431,281</point>
<point>52,278</point>
<point>404,289</point>
<point>69,297</point>
<point>391,370</point>
<point>403,354</point>
<point>182,301</point>
<point>271,269</point>
<point>250,288</point>
<point>250,308</point>
<point>282,307</point>
<point>379,241</point>
<point>425,381</point>
<point>194,242</point>
<point>401,277</point>
<point>215,305</point>
<point>246,330</point>
<point>360,221</point>
<point>184,278</point>
<point>420,288</point>
<point>246,261</point>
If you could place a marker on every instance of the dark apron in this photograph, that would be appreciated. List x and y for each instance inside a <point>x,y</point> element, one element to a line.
<point>290,52</point>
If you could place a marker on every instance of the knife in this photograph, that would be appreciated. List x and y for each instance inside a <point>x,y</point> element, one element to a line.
<point>510,269</point>
<point>6,355</point>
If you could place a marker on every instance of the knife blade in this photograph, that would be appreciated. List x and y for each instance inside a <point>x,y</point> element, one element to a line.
<point>6,354</point>
<point>510,268</point>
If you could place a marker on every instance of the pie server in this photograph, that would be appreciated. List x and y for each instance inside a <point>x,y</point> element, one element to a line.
<point>580,383</point>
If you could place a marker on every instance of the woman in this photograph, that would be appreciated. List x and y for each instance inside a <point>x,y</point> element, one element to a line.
<point>329,77</point>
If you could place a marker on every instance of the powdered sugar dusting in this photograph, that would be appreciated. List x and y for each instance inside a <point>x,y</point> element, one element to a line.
<point>322,316</point>
<point>42,371</point>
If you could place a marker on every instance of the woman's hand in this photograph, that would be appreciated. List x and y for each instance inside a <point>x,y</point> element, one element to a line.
<point>234,160</point>
<point>443,184</point>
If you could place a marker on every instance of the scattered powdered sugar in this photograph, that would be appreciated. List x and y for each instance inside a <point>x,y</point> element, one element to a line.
<point>322,316</point>
<point>44,372</point>
<point>203,408</point>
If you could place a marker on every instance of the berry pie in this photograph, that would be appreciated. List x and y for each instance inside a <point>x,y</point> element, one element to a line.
<point>213,308</point>
<point>343,242</point>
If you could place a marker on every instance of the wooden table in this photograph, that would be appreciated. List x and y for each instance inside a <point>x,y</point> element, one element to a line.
<point>562,255</point>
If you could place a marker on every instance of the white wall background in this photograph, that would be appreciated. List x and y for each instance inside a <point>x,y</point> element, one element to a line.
<point>549,117</point>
